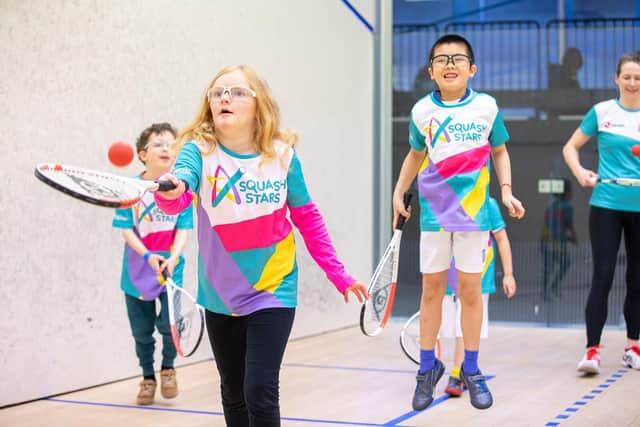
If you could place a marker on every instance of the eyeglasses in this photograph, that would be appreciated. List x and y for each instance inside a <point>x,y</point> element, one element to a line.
<point>238,93</point>
<point>458,60</point>
<point>160,145</point>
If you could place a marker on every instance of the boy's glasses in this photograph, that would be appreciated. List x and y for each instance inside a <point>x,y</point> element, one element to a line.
<point>238,93</point>
<point>458,60</point>
<point>160,145</point>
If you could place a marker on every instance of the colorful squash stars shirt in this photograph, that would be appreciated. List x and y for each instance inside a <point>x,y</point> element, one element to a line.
<point>157,231</point>
<point>489,267</point>
<point>247,251</point>
<point>618,129</point>
<point>453,181</point>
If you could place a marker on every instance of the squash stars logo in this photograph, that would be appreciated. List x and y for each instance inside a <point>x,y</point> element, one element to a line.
<point>224,186</point>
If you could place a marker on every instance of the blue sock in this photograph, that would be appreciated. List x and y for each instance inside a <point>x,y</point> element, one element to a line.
<point>427,360</point>
<point>470,363</point>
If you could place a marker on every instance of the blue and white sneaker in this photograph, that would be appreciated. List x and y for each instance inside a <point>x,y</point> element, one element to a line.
<point>425,386</point>
<point>479,393</point>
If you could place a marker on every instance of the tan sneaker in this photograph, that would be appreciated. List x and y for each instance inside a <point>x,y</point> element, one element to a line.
<point>168,383</point>
<point>147,392</point>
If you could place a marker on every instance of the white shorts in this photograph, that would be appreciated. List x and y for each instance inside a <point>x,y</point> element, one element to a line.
<point>451,312</point>
<point>468,247</point>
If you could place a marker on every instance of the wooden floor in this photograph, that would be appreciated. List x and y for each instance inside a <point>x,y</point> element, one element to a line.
<point>345,379</point>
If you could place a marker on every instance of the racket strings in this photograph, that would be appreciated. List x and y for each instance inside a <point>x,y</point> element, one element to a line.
<point>377,309</point>
<point>187,319</point>
<point>410,338</point>
<point>380,292</point>
<point>96,188</point>
<point>92,184</point>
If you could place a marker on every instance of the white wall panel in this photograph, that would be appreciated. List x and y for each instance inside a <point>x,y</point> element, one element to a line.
<point>77,75</point>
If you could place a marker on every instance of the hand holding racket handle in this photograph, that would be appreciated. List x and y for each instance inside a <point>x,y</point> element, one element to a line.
<point>166,185</point>
<point>406,199</point>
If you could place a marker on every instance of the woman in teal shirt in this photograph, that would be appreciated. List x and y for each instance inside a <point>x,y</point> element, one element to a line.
<point>615,209</point>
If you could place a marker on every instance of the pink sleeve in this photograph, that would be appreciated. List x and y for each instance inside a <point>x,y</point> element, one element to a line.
<point>175,206</point>
<point>309,222</point>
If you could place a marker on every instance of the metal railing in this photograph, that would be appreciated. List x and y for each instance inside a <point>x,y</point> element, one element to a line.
<point>514,55</point>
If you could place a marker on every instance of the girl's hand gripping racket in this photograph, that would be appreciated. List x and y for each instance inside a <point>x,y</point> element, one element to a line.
<point>186,318</point>
<point>99,188</point>
<point>376,311</point>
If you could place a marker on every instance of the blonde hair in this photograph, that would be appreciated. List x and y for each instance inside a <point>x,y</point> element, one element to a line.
<point>267,127</point>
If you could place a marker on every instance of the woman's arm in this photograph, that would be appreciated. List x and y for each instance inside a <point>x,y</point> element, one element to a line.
<point>570,152</point>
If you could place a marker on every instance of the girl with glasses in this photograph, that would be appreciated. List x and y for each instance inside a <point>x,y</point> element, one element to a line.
<point>248,179</point>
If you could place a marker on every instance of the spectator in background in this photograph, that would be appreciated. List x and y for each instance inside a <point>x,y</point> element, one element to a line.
<point>565,75</point>
<point>557,232</point>
<point>422,84</point>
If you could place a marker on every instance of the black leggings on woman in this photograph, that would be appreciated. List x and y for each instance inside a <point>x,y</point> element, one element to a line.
<point>248,351</point>
<point>606,227</point>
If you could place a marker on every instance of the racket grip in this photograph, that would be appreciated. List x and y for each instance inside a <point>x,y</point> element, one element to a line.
<point>168,185</point>
<point>406,199</point>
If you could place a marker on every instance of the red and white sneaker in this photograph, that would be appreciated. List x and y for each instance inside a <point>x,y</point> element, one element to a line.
<point>590,363</point>
<point>631,357</point>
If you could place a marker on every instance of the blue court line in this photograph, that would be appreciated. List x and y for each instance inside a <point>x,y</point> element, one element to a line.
<point>394,422</point>
<point>123,406</point>
<point>436,402</point>
<point>358,15</point>
<point>349,368</point>
<point>579,404</point>
<point>202,412</point>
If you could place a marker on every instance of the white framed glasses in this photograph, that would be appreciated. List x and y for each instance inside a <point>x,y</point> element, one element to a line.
<point>238,93</point>
<point>458,60</point>
<point>158,145</point>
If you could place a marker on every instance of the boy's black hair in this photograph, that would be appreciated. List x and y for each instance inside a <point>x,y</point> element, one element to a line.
<point>452,38</point>
<point>629,57</point>
<point>156,128</point>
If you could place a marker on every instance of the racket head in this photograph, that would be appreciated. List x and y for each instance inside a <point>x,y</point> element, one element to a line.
<point>376,311</point>
<point>186,318</point>
<point>410,339</point>
<point>99,188</point>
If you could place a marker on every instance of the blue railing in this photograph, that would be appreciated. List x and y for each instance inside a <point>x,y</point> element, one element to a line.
<point>518,61</point>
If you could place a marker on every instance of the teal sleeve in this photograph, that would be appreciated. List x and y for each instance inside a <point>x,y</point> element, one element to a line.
<point>188,165</point>
<point>123,218</point>
<point>297,194</point>
<point>185,218</point>
<point>589,125</point>
<point>495,216</point>
<point>499,134</point>
<point>416,138</point>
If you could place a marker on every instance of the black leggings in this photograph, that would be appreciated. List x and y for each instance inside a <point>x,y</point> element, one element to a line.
<point>248,351</point>
<point>606,227</point>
